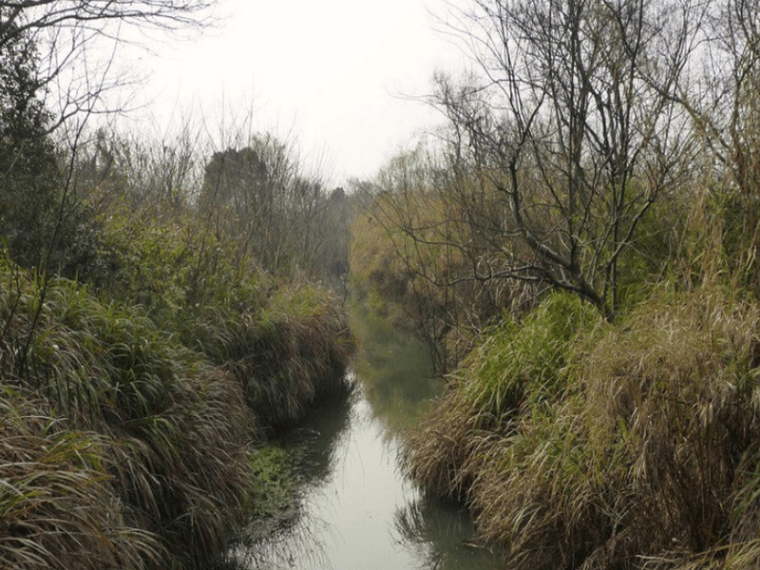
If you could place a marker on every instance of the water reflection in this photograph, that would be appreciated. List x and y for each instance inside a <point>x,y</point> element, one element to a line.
<point>322,433</point>
<point>395,370</point>
<point>296,538</point>
<point>354,509</point>
<point>442,535</point>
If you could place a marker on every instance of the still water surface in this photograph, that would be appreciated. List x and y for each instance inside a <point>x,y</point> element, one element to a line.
<point>357,511</point>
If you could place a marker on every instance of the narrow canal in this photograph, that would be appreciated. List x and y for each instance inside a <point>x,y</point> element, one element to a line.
<point>356,510</point>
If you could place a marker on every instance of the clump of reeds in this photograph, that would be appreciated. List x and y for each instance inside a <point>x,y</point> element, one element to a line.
<point>169,433</point>
<point>673,398</point>
<point>185,473</point>
<point>133,435</point>
<point>520,368</point>
<point>57,505</point>
<point>284,355</point>
<point>629,446</point>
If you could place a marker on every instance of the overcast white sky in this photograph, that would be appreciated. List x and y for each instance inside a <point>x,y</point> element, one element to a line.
<point>330,75</point>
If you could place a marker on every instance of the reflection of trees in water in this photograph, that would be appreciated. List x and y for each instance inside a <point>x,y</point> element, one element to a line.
<point>320,435</point>
<point>297,535</point>
<point>395,370</point>
<point>438,531</point>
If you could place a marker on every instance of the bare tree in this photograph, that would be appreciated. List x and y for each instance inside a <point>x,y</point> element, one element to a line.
<point>77,41</point>
<point>567,137</point>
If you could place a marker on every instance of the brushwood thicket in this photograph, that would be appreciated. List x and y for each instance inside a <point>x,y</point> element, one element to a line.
<point>578,247</point>
<point>147,349</point>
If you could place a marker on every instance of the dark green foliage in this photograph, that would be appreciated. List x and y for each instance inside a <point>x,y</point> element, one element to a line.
<point>28,165</point>
<point>41,221</point>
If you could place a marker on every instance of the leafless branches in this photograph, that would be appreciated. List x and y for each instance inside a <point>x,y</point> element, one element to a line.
<point>573,123</point>
<point>76,42</point>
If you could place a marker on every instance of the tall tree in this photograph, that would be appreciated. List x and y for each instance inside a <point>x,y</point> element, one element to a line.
<point>28,164</point>
<point>260,195</point>
<point>572,125</point>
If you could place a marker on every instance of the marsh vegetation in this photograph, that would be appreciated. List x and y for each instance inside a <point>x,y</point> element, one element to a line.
<point>577,246</point>
<point>148,347</point>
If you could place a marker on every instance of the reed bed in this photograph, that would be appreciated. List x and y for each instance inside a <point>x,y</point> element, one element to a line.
<point>57,506</point>
<point>579,444</point>
<point>286,355</point>
<point>127,444</point>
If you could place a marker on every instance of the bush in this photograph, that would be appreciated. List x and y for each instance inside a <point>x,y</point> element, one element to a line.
<point>520,370</point>
<point>156,432</point>
<point>285,354</point>
<point>630,446</point>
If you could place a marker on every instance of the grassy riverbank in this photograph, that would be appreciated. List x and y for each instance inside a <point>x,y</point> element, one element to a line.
<point>583,444</point>
<point>128,429</point>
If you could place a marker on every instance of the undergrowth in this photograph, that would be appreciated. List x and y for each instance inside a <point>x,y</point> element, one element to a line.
<point>582,444</point>
<point>127,432</point>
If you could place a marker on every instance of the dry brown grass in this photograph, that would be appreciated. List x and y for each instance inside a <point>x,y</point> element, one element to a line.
<point>57,505</point>
<point>646,458</point>
<point>185,474</point>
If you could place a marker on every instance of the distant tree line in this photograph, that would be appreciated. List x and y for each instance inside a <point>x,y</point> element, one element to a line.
<point>60,178</point>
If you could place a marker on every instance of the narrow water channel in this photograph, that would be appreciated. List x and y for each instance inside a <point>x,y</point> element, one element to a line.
<point>357,511</point>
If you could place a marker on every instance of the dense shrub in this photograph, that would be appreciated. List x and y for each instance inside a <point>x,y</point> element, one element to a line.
<point>626,446</point>
<point>137,435</point>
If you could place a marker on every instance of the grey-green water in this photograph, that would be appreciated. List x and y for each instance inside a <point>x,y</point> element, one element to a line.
<point>357,511</point>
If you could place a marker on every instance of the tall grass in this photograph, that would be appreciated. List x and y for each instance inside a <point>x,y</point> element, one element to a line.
<point>284,354</point>
<point>127,442</point>
<point>518,371</point>
<point>601,446</point>
<point>57,505</point>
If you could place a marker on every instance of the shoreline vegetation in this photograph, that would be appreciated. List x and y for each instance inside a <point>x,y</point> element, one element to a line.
<point>165,309</point>
<point>579,245</point>
<point>577,443</point>
<point>580,442</point>
<point>129,443</point>
<point>576,440</point>
<point>125,447</point>
<point>162,312</point>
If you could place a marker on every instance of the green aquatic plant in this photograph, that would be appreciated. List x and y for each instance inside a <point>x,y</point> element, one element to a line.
<point>274,492</point>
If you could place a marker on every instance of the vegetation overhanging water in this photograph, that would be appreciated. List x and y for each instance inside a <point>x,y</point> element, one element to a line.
<point>354,508</point>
